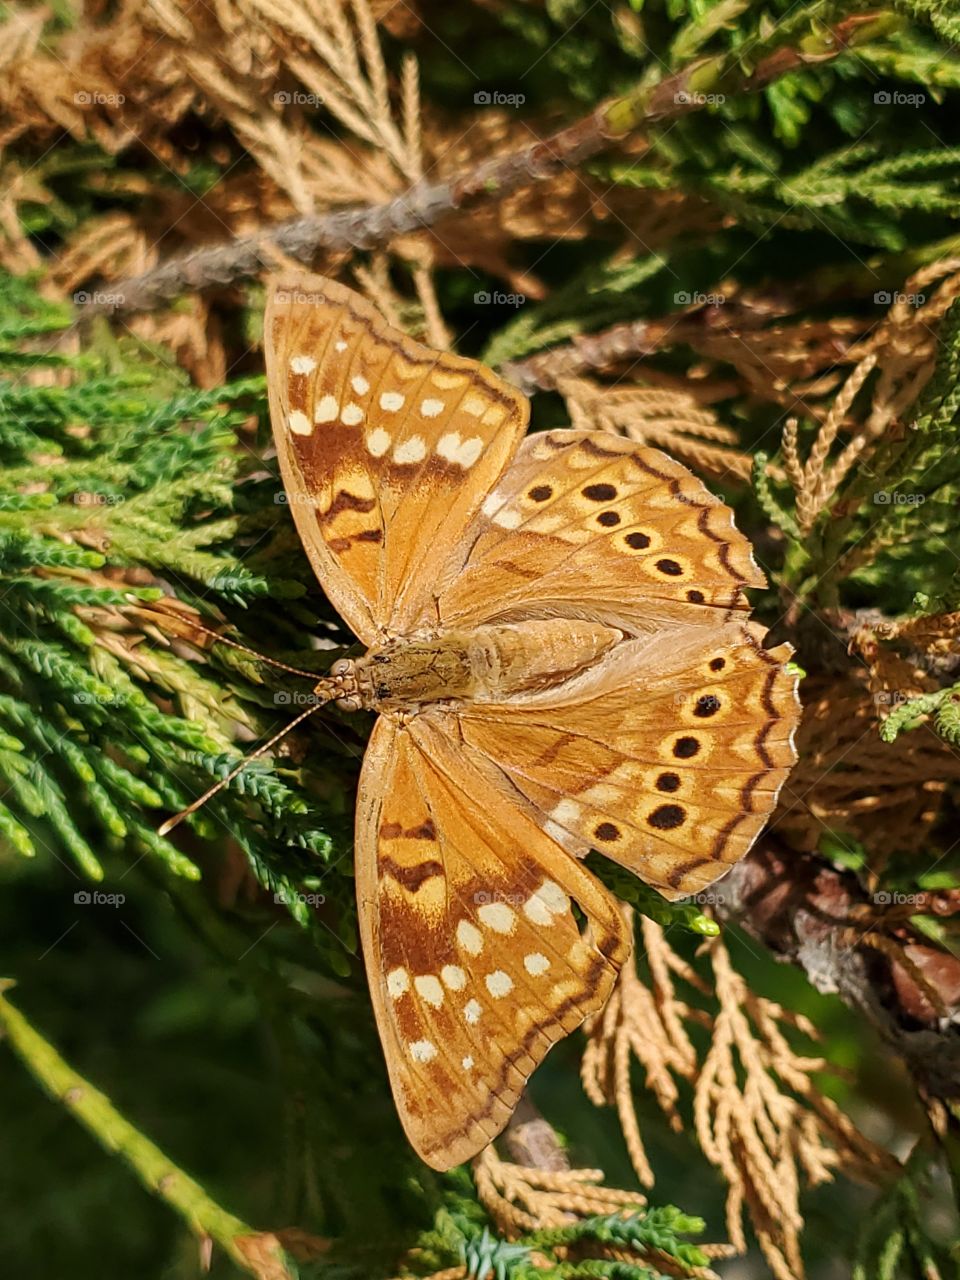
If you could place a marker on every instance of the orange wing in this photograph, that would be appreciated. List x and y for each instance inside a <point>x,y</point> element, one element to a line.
<point>387,449</point>
<point>475,959</point>
<point>590,524</point>
<point>667,758</point>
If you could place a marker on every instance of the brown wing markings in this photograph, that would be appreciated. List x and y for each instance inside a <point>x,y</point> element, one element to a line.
<point>412,878</point>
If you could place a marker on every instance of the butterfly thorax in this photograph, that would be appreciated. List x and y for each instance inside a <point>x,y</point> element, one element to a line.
<point>482,664</point>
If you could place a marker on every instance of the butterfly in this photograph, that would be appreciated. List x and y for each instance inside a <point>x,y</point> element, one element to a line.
<point>558,647</point>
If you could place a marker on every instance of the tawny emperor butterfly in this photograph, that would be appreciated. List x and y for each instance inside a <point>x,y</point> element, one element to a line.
<point>558,648</point>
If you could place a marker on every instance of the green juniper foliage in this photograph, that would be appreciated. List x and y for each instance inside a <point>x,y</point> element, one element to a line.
<point>197,1001</point>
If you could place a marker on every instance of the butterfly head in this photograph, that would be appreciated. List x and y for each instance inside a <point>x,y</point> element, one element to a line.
<point>351,693</point>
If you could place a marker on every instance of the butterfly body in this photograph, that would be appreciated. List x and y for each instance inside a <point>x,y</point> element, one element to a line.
<point>557,640</point>
<point>482,664</point>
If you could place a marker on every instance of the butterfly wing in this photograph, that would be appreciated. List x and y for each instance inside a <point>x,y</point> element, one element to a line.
<point>475,959</point>
<point>387,449</point>
<point>589,521</point>
<point>668,757</point>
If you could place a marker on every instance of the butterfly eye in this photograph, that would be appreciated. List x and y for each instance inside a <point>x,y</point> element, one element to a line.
<point>341,667</point>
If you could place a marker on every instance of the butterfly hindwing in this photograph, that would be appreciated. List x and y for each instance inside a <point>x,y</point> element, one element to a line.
<point>588,519</point>
<point>387,449</point>
<point>668,758</point>
<point>476,961</point>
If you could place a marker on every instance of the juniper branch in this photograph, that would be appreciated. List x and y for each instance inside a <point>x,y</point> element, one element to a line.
<point>260,1255</point>
<point>425,202</point>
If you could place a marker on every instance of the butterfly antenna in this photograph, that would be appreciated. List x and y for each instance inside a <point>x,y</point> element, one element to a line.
<point>185,625</point>
<point>323,696</point>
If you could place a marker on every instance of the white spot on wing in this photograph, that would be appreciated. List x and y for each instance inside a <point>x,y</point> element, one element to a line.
<point>431,408</point>
<point>498,917</point>
<point>448,446</point>
<point>469,937</point>
<point>491,504</point>
<point>299,423</point>
<point>327,409</point>
<point>340,345</point>
<point>554,897</point>
<point>536,963</point>
<point>472,1011</point>
<point>302,364</point>
<point>429,989</point>
<point>412,450</point>
<point>470,451</point>
<point>391,401</point>
<point>398,982</point>
<point>360,385</point>
<point>565,813</point>
<point>499,984</point>
<point>423,1050</point>
<point>454,977</point>
<point>352,415</point>
<point>463,452</point>
<point>379,441</point>
<point>467,1063</point>
<point>535,909</point>
<point>507,519</point>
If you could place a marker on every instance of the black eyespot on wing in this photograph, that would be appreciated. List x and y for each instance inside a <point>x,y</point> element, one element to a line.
<point>540,493</point>
<point>606,831</point>
<point>686,748</point>
<point>668,782</point>
<point>717,664</point>
<point>695,597</point>
<point>707,705</point>
<point>608,519</point>
<point>600,492</point>
<point>667,817</point>
<point>637,541</point>
<point>670,568</point>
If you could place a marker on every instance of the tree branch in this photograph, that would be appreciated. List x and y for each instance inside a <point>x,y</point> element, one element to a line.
<point>806,912</point>
<point>259,1254</point>
<point>424,203</point>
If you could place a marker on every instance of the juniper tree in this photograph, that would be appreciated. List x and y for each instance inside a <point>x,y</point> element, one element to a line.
<point>724,229</point>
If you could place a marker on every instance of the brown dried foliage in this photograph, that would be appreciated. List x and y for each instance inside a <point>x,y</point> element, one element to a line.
<point>758,1115</point>
<point>850,783</point>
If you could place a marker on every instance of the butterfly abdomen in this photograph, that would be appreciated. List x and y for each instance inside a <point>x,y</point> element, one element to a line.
<point>484,664</point>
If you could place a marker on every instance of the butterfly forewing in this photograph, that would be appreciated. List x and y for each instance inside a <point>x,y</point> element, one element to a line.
<point>591,518</point>
<point>387,449</point>
<point>476,960</point>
